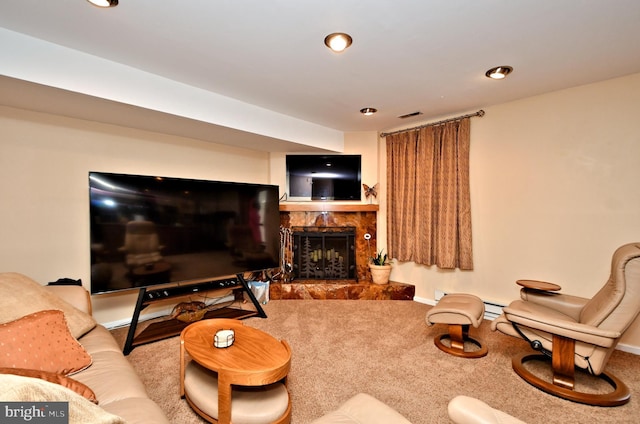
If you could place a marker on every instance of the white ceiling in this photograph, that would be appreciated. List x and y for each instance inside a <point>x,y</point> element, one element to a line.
<point>407,55</point>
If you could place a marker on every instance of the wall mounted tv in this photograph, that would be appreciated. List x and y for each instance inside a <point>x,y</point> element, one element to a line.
<point>149,230</point>
<point>324,177</point>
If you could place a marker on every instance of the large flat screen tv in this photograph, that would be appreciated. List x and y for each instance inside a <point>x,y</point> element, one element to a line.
<point>324,177</point>
<point>148,230</point>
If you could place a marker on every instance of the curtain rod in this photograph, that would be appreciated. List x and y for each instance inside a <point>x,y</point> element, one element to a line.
<point>479,113</point>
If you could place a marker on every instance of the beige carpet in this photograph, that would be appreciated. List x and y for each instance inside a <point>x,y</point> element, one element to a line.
<point>384,348</point>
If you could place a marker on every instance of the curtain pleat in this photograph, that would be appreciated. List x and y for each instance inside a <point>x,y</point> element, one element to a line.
<point>429,206</point>
<point>401,197</point>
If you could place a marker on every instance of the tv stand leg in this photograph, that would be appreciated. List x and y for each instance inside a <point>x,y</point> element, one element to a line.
<point>128,346</point>
<point>255,302</point>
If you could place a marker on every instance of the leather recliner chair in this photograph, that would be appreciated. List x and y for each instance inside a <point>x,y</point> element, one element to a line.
<point>573,331</point>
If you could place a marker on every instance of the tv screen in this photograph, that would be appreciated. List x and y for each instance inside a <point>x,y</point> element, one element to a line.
<point>324,177</point>
<point>148,230</point>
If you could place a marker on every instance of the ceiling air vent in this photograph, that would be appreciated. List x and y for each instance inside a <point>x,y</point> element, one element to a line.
<point>409,115</point>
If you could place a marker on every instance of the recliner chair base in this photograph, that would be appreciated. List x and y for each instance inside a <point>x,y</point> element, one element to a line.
<point>619,396</point>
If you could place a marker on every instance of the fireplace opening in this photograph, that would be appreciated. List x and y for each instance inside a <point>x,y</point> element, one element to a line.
<point>324,253</point>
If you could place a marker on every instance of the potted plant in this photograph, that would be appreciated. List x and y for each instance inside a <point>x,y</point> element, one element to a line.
<point>380,267</point>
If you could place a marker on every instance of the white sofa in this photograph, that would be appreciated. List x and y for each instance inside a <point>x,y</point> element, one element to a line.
<point>468,410</point>
<point>117,388</point>
<point>362,408</point>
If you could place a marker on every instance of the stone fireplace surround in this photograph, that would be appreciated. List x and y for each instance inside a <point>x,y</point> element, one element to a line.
<point>362,217</point>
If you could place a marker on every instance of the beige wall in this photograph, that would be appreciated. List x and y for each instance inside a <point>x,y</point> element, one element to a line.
<point>44,165</point>
<point>553,186</point>
<point>554,191</point>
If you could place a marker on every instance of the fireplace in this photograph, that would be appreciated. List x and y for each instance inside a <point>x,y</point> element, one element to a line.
<point>360,220</point>
<point>324,253</point>
<point>330,226</point>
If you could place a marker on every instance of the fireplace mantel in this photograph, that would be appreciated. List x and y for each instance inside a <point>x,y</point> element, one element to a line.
<point>327,207</point>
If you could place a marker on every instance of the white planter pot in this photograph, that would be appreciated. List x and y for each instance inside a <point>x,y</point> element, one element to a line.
<point>380,273</point>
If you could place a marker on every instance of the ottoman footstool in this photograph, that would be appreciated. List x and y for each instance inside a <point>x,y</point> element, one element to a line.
<point>459,311</point>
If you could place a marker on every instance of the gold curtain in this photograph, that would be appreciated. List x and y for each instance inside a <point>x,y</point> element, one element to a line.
<point>429,205</point>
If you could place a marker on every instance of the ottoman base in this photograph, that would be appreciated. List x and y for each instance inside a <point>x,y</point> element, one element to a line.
<point>458,335</point>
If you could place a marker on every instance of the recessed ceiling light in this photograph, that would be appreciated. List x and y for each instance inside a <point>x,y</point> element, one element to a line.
<point>367,111</point>
<point>338,41</point>
<point>499,72</point>
<point>104,3</point>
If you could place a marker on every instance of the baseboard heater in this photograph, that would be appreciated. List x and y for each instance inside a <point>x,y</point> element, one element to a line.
<point>492,310</point>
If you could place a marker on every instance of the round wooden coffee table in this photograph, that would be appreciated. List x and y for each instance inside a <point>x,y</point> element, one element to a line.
<point>254,359</point>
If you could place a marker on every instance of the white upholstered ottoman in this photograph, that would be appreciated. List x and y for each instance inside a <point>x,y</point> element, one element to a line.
<point>459,311</point>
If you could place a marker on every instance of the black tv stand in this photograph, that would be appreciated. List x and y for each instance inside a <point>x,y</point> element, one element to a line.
<point>172,327</point>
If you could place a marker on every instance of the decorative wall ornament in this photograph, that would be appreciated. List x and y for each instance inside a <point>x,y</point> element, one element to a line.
<point>370,192</point>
